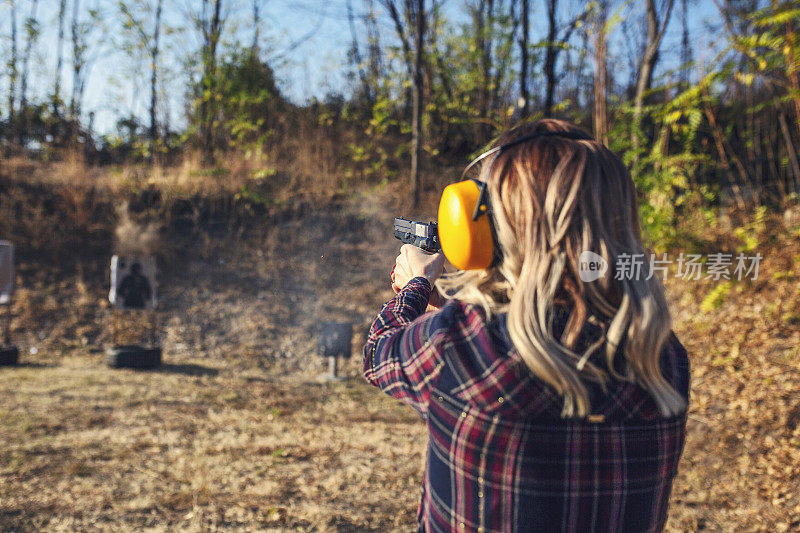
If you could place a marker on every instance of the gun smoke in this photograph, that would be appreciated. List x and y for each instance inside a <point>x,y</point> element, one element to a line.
<point>133,238</point>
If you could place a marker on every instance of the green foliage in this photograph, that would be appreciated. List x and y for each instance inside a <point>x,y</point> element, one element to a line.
<point>751,233</point>
<point>767,54</point>
<point>366,161</point>
<point>464,102</point>
<point>773,47</point>
<point>716,297</point>
<point>468,100</point>
<point>254,194</point>
<point>665,170</point>
<point>244,100</point>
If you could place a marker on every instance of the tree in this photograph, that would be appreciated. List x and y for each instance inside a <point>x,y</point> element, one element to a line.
<point>686,47</point>
<point>600,30</point>
<point>556,42</point>
<point>374,51</point>
<point>138,38</point>
<point>414,11</point>
<point>416,124</point>
<point>523,59</point>
<point>56,99</point>
<point>83,24</point>
<point>248,105</point>
<point>31,35</point>
<point>78,50</point>
<point>772,46</point>
<point>494,26</point>
<point>154,50</point>
<point>13,69</point>
<point>402,33</point>
<point>369,69</point>
<point>769,50</point>
<point>256,26</point>
<point>655,33</point>
<point>354,56</point>
<point>211,28</point>
<point>78,33</point>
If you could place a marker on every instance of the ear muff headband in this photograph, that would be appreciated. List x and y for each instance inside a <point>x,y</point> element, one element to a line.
<point>467,238</point>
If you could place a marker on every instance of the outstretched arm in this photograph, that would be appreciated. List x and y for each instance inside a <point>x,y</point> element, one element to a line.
<point>402,354</point>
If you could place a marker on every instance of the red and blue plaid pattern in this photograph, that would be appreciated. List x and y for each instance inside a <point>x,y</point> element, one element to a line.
<point>500,457</point>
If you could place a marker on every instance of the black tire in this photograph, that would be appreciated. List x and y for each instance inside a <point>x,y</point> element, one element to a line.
<point>133,357</point>
<point>9,355</point>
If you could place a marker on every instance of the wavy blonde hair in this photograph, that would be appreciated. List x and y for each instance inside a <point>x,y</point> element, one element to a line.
<point>552,198</point>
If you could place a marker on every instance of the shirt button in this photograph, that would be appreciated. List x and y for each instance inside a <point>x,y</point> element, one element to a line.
<point>463,415</point>
<point>441,399</point>
<point>500,399</point>
<point>480,494</point>
<point>461,525</point>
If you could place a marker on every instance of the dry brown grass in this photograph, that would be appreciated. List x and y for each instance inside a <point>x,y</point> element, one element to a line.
<point>308,158</point>
<point>741,466</point>
<point>186,178</point>
<point>196,446</point>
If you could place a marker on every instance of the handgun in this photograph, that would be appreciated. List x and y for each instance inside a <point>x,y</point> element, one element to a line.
<point>420,234</point>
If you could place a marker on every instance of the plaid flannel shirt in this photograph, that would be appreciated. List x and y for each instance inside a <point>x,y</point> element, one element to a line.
<point>500,457</point>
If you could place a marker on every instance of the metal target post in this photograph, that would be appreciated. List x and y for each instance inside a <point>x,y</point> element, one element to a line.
<point>154,311</point>
<point>7,325</point>
<point>9,354</point>
<point>332,364</point>
<point>114,326</point>
<point>153,327</point>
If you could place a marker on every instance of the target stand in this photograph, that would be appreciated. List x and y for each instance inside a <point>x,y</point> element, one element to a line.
<point>134,355</point>
<point>333,342</point>
<point>133,290</point>
<point>9,354</point>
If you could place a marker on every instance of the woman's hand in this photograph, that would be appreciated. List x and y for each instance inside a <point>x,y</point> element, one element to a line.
<point>414,262</point>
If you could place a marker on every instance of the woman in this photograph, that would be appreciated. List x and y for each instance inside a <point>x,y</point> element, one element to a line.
<point>552,403</point>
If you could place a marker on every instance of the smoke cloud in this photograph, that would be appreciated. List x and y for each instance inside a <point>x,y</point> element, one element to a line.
<point>134,238</point>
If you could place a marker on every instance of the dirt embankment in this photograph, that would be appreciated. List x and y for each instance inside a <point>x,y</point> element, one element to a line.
<point>238,277</point>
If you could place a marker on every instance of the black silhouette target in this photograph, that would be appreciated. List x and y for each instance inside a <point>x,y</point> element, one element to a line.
<point>133,282</point>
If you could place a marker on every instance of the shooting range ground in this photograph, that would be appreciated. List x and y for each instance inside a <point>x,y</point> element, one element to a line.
<point>235,432</point>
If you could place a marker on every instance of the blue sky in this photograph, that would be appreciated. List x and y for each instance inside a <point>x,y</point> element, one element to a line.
<point>118,82</point>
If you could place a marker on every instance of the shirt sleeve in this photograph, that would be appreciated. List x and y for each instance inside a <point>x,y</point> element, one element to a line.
<point>402,355</point>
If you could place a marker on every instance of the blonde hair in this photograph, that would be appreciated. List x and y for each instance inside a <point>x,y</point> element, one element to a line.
<point>551,199</point>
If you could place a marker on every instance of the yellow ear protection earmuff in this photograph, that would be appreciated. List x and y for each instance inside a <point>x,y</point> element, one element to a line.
<point>466,236</point>
<point>466,239</point>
